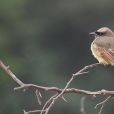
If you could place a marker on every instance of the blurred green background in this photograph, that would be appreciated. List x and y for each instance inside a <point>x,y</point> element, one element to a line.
<point>45,42</point>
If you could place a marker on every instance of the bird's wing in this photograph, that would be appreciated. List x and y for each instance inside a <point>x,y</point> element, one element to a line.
<point>111,51</point>
<point>107,55</point>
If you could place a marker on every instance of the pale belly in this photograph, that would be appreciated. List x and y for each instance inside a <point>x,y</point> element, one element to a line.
<point>97,54</point>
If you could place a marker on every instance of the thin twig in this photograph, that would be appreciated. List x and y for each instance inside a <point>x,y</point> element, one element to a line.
<point>34,111</point>
<point>10,73</point>
<point>102,104</point>
<point>82,108</point>
<point>64,99</point>
<point>38,96</point>
<point>47,103</point>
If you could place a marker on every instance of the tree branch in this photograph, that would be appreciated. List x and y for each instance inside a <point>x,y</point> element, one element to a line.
<point>10,73</point>
<point>59,92</point>
<point>80,72</point>
<point>102,104</point>
<point>67,91</point>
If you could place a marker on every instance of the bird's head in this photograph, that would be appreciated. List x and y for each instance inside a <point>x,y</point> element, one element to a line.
<point>104,31</point>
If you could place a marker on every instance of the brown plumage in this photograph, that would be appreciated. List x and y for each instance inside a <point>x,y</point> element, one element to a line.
<point>103,46</point>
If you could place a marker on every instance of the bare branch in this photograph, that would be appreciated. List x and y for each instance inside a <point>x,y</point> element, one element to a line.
<point>34,111</point>
<point>59,92</point>
<point>38,96</point>
<point>102,104</point>
<point>10,73</point>
<point>67,91</point>
<point>48,102</point>
<point>80,72</point>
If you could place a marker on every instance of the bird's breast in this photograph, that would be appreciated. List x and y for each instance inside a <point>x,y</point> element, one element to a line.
<point>95,50</point>
<point>97,53</point>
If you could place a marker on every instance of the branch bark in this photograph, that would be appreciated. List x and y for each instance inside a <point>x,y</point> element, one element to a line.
<point>102,92</point>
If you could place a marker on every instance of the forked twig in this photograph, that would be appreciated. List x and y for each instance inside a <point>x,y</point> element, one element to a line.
<point>102,104</point>
<point>80,72</point>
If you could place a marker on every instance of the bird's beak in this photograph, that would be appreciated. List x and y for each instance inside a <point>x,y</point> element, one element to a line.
<point>92,33</point>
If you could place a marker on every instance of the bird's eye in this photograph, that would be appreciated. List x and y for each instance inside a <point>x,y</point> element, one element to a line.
<point>99,33</point>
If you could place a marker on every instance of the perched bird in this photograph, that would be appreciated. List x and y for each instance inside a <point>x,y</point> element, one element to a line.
<point>103,46</point>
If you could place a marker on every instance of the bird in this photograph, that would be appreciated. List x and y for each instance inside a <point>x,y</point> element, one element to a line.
<point>102,46</point>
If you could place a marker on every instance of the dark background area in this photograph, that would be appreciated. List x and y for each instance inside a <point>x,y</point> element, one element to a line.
<point>45,42</point>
